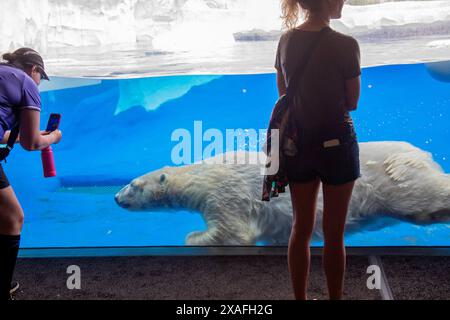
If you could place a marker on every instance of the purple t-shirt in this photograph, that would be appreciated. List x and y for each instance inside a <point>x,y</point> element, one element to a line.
<point>17,92</point>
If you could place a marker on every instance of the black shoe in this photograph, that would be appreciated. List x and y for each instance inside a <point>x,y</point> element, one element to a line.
<point>14,287</point>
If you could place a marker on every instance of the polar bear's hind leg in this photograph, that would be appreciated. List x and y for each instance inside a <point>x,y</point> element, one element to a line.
<point>419,190</point>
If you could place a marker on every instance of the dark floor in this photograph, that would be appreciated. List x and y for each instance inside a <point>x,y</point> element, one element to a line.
<point>418,278</point>
<point>222,277</point>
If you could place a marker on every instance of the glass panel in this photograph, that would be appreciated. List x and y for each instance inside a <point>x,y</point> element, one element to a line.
<point>134,79</point>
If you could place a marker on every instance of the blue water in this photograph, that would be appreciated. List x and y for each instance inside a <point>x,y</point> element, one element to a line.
<point>116,130</point>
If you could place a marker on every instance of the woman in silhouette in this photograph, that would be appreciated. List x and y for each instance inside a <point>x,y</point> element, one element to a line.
<point>328,148</point>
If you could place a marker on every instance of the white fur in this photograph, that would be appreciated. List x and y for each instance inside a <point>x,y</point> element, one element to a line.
<point>398,180</point>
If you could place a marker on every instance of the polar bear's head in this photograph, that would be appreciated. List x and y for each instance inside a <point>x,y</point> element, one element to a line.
<point>146,192</point>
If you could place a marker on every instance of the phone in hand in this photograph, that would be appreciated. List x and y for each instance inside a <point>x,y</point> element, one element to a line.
<point>53,122</point>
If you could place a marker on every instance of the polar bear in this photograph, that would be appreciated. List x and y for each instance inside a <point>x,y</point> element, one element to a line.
<point>398,180</point>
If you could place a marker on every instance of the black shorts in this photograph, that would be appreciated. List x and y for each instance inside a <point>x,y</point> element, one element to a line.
<point>334,165</point>
<point>4,183</point>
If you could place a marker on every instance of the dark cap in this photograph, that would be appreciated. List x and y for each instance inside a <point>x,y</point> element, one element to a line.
<point>29,56</point>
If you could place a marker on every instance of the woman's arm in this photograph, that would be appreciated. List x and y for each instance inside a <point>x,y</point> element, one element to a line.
<point>352,92</point>
<point>31,138</point>
<point>8,132</point>
<point>352,74</point>
<point>281,84</point>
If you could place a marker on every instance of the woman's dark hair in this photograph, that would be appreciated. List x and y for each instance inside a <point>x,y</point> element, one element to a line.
<point>15,57</point>
<point>291,9</point>
<point>26,58</point>
<point>9,57</point>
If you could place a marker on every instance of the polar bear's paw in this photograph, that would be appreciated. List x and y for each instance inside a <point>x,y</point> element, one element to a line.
<point>201,238</point>
<point>213,237</point>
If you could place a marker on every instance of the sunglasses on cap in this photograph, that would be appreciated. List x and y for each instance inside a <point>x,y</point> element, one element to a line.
<point>41,73</point>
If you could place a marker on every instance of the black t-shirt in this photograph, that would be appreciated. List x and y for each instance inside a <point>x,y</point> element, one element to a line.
<point>335,59</point>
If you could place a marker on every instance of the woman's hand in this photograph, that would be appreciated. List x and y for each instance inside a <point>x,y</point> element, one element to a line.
<point>56,136</point>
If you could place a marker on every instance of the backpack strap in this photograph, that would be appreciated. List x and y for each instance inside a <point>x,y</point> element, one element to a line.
<point>295,81</point>
<point>13,136</point>
<point>14,133</point>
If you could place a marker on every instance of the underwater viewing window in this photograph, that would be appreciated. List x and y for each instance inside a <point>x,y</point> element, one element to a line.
<point>135,79</point>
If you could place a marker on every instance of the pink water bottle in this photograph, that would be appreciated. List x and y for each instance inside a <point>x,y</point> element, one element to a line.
<point>48,163</point>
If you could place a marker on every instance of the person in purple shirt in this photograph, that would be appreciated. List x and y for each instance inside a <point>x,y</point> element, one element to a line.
<point>20,102</point>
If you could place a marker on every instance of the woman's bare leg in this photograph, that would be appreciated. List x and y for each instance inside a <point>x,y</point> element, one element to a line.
<point>11,213</point>
<point>336,202</point>
<point>304,198</point>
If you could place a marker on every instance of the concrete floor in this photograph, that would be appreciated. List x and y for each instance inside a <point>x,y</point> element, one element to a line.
<point>222,277</point>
